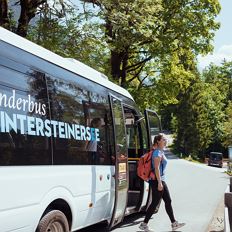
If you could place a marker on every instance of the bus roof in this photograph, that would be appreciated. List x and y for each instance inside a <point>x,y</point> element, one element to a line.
<point>68,64</point>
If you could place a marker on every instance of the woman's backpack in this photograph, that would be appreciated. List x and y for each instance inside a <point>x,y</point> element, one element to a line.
<point>144,168</point>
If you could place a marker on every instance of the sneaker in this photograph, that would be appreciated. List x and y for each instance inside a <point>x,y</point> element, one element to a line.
<point>143,226</point>
<point>176,225</point>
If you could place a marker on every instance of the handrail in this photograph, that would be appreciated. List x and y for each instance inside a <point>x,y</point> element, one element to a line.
<point>133,159</point>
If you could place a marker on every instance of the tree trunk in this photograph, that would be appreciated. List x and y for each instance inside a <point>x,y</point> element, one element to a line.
<point>96,2</point>
<point>23,21</point>
<point>124,70</point>
<point>28,11</point>
<point>116,60</point>
<point>4,19</point>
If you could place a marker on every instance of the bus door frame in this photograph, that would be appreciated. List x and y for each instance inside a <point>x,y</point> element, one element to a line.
<point>121,171</point>
<point>150,143</point>
<point>146,114</point>
<point>139,138</point>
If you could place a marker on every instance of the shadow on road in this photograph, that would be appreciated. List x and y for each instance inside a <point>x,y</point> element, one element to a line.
<point>132,220</point>
<point>216,231</point>
<point>95,228</point>
<point>128,222</point>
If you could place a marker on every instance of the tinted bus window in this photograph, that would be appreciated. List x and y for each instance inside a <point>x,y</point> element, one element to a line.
<point>85,133</point>
<point>21,112</point>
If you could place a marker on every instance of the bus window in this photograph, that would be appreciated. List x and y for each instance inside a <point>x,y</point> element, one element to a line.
<point>136,133</point>
<point>144,135</point>
<point>97,116</point>
<point>131,130</point>
<point>153,125</point>
<point>21,110</point>
<point>85,114</point>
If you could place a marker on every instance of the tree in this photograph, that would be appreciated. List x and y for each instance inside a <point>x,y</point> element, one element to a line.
<point>227,126</point>
<point>76,36</point>
<point>221,77</point>
<point>200,118</point>
<point>143,30</point>
<point>4,19</point>
<point>28,10</point>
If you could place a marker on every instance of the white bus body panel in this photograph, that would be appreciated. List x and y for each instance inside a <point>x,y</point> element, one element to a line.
<point>77,67</point>
<point>27,191</point>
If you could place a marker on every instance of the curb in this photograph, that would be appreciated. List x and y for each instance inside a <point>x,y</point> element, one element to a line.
<point>217,221</point>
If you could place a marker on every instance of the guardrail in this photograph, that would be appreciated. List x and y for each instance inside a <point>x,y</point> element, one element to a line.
<point>228,208</point>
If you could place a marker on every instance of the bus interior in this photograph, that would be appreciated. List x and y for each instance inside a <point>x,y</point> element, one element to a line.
<point>137,146</point>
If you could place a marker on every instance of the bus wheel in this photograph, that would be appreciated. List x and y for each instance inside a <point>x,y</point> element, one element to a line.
<point>53,221</point>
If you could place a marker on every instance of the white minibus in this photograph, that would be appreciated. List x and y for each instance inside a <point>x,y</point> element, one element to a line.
<point>69,143</point>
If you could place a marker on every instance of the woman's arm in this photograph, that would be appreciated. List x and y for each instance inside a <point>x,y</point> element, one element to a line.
<point>157,161</point>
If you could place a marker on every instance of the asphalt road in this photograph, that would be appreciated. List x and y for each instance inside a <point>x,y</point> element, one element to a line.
<point>196,191</point>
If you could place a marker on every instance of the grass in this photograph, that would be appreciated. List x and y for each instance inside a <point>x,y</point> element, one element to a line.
<point>191,159</point>
<point>229,169</point>
<point>228,173</point>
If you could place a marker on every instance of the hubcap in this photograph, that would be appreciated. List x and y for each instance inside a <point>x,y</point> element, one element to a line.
<point>55,227</point>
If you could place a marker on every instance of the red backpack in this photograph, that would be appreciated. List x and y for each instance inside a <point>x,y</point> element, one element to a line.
<point>144,167</point>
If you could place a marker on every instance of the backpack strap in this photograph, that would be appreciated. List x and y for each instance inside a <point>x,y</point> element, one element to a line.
<point>152,174</point>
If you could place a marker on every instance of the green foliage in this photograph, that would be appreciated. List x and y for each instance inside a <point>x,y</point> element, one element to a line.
<point>72,37</point>
<point>221,78</point>
<point>142,31</point>
<point>208,106</point>
<point>227,127</point>
<point>199,119</point>
<point>144,97</point>
<point>174,80</point>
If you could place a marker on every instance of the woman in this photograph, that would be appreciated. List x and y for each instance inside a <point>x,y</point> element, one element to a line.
<point>159,186</point>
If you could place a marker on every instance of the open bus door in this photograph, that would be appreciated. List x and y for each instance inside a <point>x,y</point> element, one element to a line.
<point>137,145</point>
<point>121,159</point>
<point>153,125</point>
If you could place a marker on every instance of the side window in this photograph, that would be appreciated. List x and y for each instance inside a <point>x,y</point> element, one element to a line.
<point>143,130</point>
<point>23,108</point>
<point>86,121</point>
<point>153,124</point>
<point>131,130</point>
<point>136,133</point>
<point>119,125</point>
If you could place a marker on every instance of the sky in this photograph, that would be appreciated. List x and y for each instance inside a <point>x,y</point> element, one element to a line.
<point>223,38</point>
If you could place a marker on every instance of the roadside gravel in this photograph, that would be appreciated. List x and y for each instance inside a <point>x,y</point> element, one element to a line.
<point>217,222</point>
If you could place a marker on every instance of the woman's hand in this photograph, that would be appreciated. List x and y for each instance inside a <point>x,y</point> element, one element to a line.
<point>160,186</point>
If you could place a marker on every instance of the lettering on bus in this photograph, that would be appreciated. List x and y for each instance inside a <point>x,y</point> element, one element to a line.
<point>35,126</point>
<point>22,104</point>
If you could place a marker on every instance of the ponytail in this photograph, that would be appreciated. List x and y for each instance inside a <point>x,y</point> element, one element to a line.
<point>157,138</point>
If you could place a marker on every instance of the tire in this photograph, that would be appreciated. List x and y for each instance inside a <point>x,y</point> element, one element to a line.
<point>53,221</point>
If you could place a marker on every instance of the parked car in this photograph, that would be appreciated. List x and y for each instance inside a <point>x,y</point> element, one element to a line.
<point>215,159</point>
